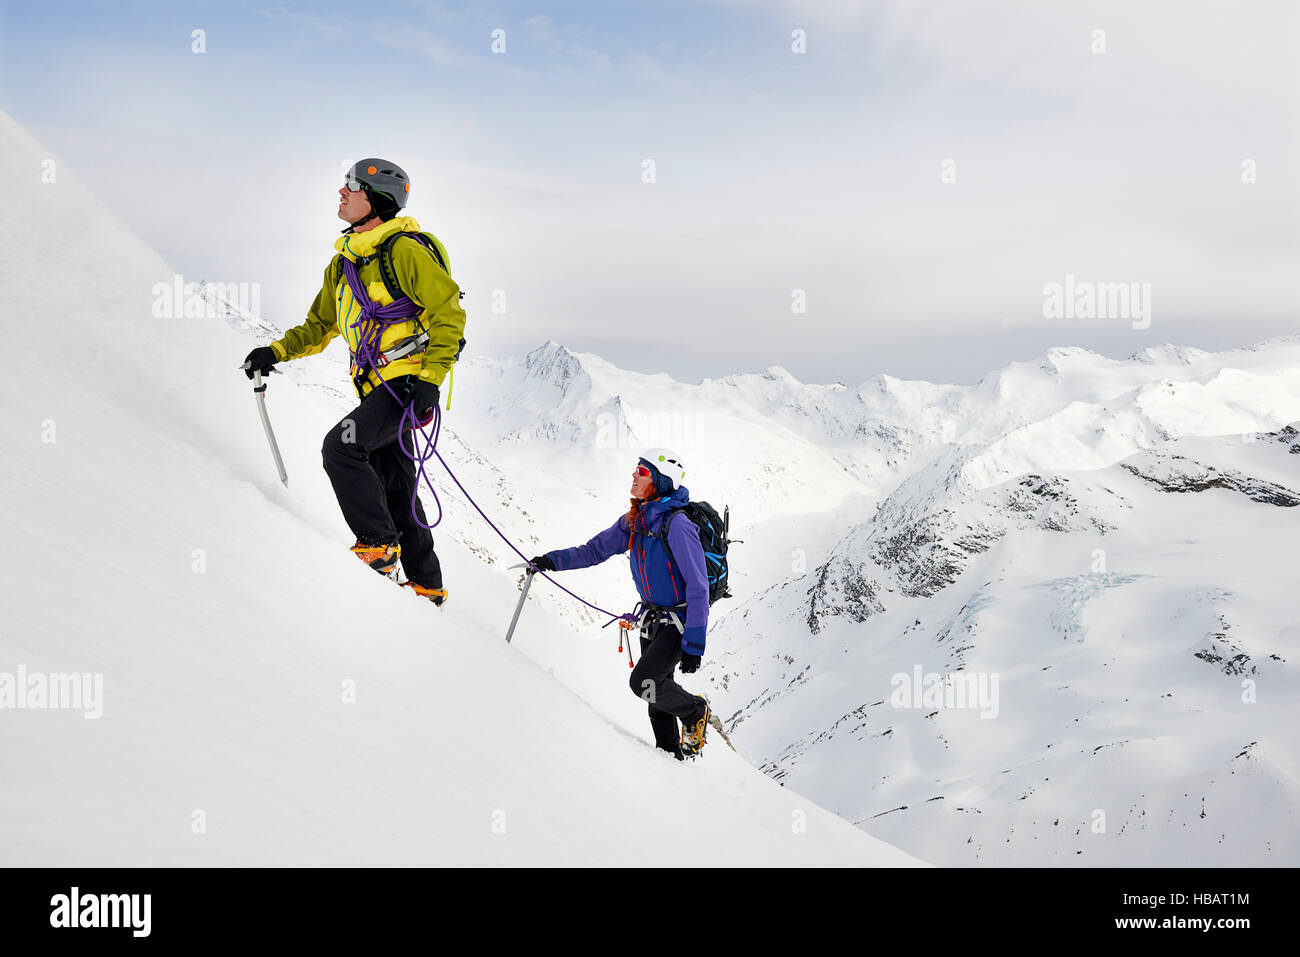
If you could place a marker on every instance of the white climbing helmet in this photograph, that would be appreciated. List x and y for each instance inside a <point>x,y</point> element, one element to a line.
<point>667,463</point>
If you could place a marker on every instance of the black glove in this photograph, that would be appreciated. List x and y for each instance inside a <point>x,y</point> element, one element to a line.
<point>542,563</point>
<point>420,393</point>
<point>690,664</point>
<point>262,359</point>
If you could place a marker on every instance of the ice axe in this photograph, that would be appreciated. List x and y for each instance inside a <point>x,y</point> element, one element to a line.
<point>259,390</point>
<point>523,596</point>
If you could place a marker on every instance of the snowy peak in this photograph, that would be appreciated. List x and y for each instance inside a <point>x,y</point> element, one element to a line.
<point>1069,409</point>
<point>779,374</point>
<point>1060,360</point>
<point>553,364</point>
<point>1169,354</point>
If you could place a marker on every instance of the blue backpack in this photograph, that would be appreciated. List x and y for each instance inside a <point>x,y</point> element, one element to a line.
<point>713,536</point>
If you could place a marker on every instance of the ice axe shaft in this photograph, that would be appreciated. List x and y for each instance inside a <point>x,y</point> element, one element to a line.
<point>716,724</point>
<point>523,596</point>
<point>259,391</point>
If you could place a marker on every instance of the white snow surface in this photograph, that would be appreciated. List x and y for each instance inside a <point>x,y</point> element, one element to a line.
<point>151,543</point>
<point>1110,539</point>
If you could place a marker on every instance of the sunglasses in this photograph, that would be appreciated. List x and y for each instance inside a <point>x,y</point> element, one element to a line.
<point>354,185</point>
<point>642,471</point>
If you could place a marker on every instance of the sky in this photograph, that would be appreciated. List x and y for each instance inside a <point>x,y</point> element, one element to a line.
<point>839,189</point>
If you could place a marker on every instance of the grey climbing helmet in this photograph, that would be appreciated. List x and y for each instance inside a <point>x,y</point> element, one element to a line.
<point>381,178</point>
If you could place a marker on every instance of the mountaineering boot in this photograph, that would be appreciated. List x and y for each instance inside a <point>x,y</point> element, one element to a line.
<point>382,558</point>
<point>435,595</point>
<point>693,734</point>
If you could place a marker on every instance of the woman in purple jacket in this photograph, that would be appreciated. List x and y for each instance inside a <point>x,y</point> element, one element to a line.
<point>674,588</point>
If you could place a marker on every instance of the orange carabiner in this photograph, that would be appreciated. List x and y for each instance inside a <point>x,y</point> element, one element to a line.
<point>625,625</point>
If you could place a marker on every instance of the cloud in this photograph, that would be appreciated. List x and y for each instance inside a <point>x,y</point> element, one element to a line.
<point>543,31</point>
<point>646,68</point>
<point>427,46</point>
<point>424,44</point>
<point>336,28</point>
<point>1172,45</point>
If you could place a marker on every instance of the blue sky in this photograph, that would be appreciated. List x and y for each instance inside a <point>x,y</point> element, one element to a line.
<point>775,171</point>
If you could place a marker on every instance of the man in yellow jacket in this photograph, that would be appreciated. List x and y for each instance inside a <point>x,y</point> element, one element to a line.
<point>390,295</point>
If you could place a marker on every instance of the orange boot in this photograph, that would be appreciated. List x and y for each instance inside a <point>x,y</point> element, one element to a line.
<point>694,734</point>
<point>382,558</point>
<point>435,595</point>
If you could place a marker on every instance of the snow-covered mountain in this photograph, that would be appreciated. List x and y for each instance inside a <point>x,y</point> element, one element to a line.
<point>1097,548</point>
<point>1104,551</point>
<point>971,530</point>
<point>233,687</point>
<point>984,531</point>
<point>1108,540</point>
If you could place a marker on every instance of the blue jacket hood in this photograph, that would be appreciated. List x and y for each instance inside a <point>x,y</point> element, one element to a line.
<point>654,510</point>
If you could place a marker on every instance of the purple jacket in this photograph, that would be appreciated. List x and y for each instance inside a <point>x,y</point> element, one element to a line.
<point>659,579</point>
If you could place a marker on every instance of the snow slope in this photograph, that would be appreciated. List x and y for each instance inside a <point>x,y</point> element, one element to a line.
<point>266,700</point>
<point>1109,540</point>
<point>903,524</point>
<point>1106,545</point>
<point>869,515</point>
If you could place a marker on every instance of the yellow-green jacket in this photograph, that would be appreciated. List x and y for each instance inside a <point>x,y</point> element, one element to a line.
<point>419,276</point>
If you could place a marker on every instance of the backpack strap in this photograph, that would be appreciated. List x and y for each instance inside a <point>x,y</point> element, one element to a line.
<point>663,525</point>
<point>385,254</point>
<point>663,532</point>
<point>386,271</point>
<point>389,274</point>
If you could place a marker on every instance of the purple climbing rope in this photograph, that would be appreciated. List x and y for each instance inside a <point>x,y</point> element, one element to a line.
<point>431,450</point>
<point>370,326</point>
<point>374,319</point>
